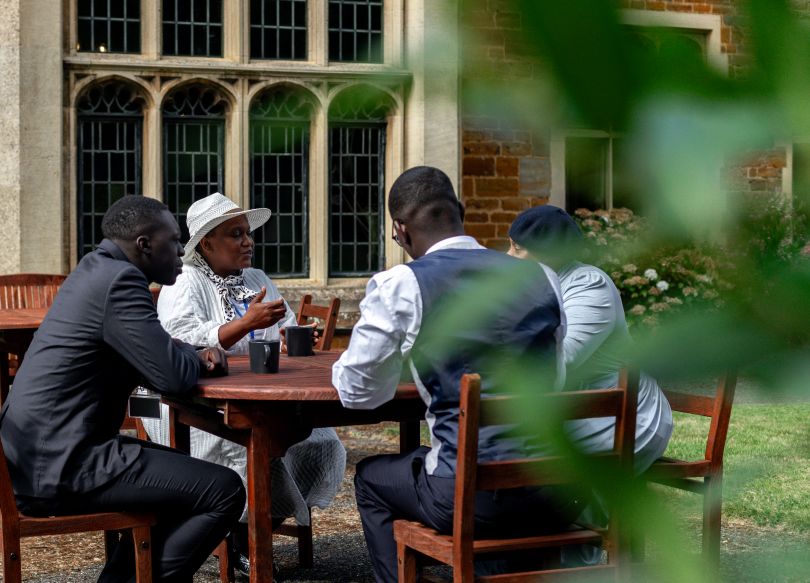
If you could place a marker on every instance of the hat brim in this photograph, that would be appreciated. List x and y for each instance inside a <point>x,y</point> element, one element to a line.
<point>256,218</point>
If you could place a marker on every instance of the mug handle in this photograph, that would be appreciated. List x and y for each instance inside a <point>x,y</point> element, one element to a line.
<point>268,353</point>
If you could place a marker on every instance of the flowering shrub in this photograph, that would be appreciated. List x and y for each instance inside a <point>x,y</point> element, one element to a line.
<point>651,284</point>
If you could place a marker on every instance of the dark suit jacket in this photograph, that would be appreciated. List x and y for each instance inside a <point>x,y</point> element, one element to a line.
<point>100,339</point>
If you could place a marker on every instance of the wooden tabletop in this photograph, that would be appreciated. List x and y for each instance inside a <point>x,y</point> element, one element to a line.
<point>303,378</point>
<point>24,319</point>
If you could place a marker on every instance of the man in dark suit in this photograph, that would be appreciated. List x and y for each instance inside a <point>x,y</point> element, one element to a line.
<point>60,426</point>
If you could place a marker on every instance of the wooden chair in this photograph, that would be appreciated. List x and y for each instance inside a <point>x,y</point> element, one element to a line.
<point>15,526</point>
<point>19,292</point>
<point>459,548</point>
<point>327,314</point>
<point>28,290</point>
<point>703,476</point>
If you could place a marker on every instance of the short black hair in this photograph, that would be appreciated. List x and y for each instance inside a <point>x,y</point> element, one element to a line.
<point>424,188</point>
<point>132,216</point>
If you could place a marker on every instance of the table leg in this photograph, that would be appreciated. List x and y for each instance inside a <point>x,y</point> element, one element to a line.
<point>408,436</point>
<point>260,525</point>
<point>179,432</point>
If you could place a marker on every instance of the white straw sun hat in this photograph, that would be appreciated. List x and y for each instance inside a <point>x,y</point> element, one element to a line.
<point>207,213</point>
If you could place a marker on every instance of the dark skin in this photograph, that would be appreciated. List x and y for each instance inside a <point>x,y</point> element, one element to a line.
<point>228,249</point>
<point>420,229</point>
<point>158,253</point>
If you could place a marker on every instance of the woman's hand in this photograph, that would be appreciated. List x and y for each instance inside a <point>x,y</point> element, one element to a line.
<point>263,315</point>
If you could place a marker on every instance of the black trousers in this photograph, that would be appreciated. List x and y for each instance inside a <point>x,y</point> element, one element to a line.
<point>390,487</point>
<point>196,503</point>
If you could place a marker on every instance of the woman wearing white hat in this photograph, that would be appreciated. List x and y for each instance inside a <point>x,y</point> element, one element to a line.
<point>219,300</point>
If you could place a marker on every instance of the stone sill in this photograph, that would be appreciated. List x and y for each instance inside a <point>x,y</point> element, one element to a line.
<point>203,65</point>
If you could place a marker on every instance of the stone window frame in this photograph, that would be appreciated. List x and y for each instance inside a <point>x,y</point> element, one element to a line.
<point>422,128</point>
<point>708,25</point>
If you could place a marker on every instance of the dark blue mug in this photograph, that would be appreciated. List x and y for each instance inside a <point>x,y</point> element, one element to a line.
<point>264,356</point>
<point>299,340</point>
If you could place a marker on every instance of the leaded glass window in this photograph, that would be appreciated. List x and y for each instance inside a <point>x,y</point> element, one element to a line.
<point>194,148</point>
<point>109,26</point>
<point>109,155</point>
<point>192,28</point>
<point>356,30</point>
<point>279,158</point>
<point>278,29</point>
<point>356,185</point>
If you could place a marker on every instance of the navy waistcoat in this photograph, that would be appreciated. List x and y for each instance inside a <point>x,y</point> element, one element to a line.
<point>521,318</point>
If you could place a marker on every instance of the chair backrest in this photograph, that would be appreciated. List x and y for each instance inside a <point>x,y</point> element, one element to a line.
<point>9,517</point>
<point>28,290</point>
<point>327,314</point>
<point>718,408</point>
<point>475,412</point>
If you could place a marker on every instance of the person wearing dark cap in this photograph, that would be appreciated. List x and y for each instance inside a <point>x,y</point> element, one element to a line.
<point>399,307</point>
<point>595,341</point>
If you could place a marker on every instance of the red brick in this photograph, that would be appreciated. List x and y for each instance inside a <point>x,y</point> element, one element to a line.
<point>497,187</point>
<point>503,217</point>
<point>656,6</point>
<point>467,187</point>
<point>480,231</point>
<point>516,149</point>
<point>507,166</point>
<point>476,217</point>
<point>681,7</point>
<point>482,203</point>
<point>481,148</point>
<point>502,230</point>
<point>499,244</point>
<point>515,204</point>
<point>474,166</point>
<point>476,136</point>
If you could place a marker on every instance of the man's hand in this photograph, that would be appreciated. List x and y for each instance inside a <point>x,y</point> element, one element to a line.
<point>214,362</point>
<point>263,315</point>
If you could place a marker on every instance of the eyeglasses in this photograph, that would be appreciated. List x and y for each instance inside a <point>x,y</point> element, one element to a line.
<point>395,236</point>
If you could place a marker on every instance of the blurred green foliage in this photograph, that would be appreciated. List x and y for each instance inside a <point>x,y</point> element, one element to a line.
<point>686,123</point>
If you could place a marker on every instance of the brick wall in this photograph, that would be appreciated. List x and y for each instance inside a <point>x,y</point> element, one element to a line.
<point>506,169</point>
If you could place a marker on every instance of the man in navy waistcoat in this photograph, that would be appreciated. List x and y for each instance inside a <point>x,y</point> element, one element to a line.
<point>428,224</point>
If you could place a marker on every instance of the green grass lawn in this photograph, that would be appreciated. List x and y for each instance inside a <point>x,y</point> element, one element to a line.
<point>766,511</point>
<point>767,462</point>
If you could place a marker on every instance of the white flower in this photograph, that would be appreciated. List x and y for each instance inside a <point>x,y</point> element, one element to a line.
<point>651,274</point>
<point>662,285</point>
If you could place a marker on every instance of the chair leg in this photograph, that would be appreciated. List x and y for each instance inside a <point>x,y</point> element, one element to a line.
<point>406,564</point>
<point>305,558</point>
<point>223,555</point>
<point>712,516</point>
<point>111,540</point>
<point>142,538</point>
<point>12,566</point>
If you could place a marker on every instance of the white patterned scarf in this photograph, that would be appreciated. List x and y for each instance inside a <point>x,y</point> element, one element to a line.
<point>230,289</point>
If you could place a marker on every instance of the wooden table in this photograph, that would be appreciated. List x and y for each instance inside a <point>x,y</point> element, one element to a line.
<point>17,328</point>
<point>269,413</point>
